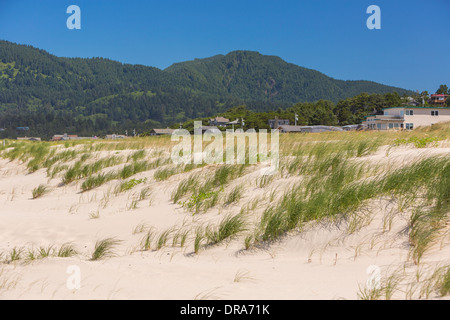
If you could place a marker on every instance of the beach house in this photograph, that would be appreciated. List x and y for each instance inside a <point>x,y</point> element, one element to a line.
<point>407,117</point>
<point>219,122</point>
<point>438,99</point>
<point>161,132</point>
<point>275,123</point>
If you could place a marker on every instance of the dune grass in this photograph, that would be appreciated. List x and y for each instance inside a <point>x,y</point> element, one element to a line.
<point>45,252</point>
<point>15,254</point>
<point>126,172</point>
<point>184,187</point>
<point>146,242</point>
<point>78,171</point>
<point>105,249</point>
<point>229,227</point>
<point>444,283</point>
<point>67,250</point>
<point>39,191</point>
<point>128,185</point>
<point>234,196</point>
<point>163,174</point>
<point>199,239</point>
<point>335,186</point>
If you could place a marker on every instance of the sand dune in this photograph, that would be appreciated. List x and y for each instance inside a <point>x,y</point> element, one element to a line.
<point>325,260</point>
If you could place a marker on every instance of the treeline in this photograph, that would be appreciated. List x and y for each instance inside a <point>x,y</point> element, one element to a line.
<point>323,112</point>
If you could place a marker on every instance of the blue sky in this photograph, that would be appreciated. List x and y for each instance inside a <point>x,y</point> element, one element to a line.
<point>411,50</point>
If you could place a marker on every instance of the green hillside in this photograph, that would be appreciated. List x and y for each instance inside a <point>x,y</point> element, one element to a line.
<point>96,96</point>
<point>250,75</point>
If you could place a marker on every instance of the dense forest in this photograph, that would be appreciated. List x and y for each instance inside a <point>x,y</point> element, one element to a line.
<point>252,76</point>
<point>51,95</point>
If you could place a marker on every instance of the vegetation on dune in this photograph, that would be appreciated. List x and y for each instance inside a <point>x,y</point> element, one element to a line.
<point>39,191</point>
<point>229,227</point>
<point>337,186</point>
<point>104,248</point>
<point>128,185</point>
<point>332,178</point>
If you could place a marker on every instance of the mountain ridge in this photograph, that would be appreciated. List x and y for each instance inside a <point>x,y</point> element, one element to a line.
<point>50,93</point>
<point>280,80</point>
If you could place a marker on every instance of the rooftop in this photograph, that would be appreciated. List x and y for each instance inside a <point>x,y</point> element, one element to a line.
<point>220,119</point>
<point>164,131</point>
<point>416,107</point>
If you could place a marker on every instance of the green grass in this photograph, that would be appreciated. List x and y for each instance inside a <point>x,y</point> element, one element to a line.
<point>264,181</point>
<point>67,250</point>
<point>419,142</point>
<point>39,191</point>
<point>424,227</point>
<point>126,172</point>
<point>184,187</point>
<point>198,240</point>
<point>45,252</point>
<point>163,238</point>
<point>145,194</point>
<point>146,242</point>
<point>80,171</point>
<point>180,238</point>
<point>336,186</point>
<point>96,181</point>
<point>197,201</point>
<point>128,185</point>
<point>164,173</point>
<point>15,254</point>
<point>234,196</point>
<point>229,227</point>
<point>138,155</point>
<point>104,249</point>
<point>444,285</point>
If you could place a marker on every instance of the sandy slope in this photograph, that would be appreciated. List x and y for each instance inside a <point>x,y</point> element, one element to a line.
<point>323,262</point>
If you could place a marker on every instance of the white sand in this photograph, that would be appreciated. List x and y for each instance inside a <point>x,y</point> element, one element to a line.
<point>323,262</point>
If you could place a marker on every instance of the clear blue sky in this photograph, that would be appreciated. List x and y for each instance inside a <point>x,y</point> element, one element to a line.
<point>412,49</point>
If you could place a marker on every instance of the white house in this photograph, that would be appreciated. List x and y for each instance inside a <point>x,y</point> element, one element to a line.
<point>407,117</point>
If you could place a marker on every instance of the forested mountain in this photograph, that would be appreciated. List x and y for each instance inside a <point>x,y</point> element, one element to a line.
<point>52,95</point>
<point>252,76</point>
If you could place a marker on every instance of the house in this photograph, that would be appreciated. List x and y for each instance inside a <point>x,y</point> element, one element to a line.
<point>407,117</point>
<point>57,137</point>
<point>289,129</point>
<point>410,101</point>
<point>23,129</point>
<point>438,99</point>
<point>219,121</point>
<point>275,123</point>
<point>114,136</point>
<point>161,132</point>
<point>29,138</point>
<point>64,137</point>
